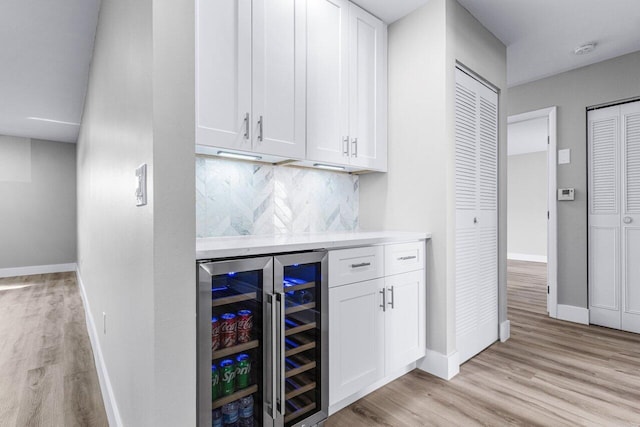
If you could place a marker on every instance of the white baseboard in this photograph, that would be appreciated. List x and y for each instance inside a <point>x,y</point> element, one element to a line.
<point>505,330</point>
<point>36,269</point>
<point>103,375</point>
<point>526,257</point>
<point>440,365</point>
<point>362,393</point>
<point>574,314</point>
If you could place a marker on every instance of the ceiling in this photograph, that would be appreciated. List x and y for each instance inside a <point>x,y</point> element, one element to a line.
<point>541,35</point>
<point>46,48</point>
<point>45,51</point>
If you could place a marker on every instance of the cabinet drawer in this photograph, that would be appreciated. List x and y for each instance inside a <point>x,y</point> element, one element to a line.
<point>355,265</point>
<point>404,257</point>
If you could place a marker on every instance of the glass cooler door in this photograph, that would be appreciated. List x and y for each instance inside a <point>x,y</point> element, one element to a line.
<point>231,307</point>
<point>300,287</point>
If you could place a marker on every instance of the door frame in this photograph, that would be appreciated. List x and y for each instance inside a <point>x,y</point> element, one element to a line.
<point>552,204</point>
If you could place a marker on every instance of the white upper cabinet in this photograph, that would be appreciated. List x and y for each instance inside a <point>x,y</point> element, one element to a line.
<point>346,86</point>
<point>250,87</point>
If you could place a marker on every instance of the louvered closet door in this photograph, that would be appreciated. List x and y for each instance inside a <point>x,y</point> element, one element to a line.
<point>604,217</point>
<point>476,184</point>
<point>630,233</point>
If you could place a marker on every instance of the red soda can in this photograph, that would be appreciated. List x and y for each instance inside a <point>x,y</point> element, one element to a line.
<point>245,323</point>
<point>215,334</point>
<point>228,330</point>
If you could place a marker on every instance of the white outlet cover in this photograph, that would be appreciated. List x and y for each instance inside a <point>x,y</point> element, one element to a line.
<point>564,156</point>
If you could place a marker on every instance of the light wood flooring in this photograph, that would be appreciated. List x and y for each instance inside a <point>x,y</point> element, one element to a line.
<point>47,373</point>
<point>550,373</point>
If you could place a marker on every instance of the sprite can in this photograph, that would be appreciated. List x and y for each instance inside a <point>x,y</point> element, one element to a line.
<point>215,382</point>
<point>227,377</point>
<point>243,371</point>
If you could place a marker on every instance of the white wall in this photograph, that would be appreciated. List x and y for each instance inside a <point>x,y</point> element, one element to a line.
<point>38,194</point>
<point>417,192</point>
<point>137,263</point>
<point>527,206</point>
<point>572,92</point>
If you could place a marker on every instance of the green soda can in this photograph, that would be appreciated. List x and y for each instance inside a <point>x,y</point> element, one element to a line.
<point>243,371</point>
<point>215,382</point>
<point>227,377</point>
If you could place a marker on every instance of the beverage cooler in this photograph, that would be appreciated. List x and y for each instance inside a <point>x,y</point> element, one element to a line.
<point>262,341</point>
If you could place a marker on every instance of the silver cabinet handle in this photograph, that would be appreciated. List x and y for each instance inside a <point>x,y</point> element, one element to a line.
<point>393,298</point>
<point>384,300</point>
<point>345,145</point>
<point>354,145</point>
<point>260,129</point>
<point>405,258</point>
<point>362,264</point>
<point>246,126</point>
<point>627,220</point>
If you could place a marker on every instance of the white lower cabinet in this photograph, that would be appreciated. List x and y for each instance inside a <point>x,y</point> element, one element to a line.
<point>377,328</point>
<point>405,319</point>
<point>356,338</point>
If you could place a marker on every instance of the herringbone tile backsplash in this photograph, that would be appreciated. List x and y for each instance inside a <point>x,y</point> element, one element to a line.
<point>238,198</point>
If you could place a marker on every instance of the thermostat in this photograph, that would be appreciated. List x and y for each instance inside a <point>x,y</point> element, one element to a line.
<point>566,194</point>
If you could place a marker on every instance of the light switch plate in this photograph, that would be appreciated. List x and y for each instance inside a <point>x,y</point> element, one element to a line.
<point>141,189</point>
<point>564,156</point>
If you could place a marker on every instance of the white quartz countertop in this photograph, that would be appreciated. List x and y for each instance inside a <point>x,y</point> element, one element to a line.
<point>224,247</point>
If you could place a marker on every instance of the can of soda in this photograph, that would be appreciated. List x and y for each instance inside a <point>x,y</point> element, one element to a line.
<point>245,323</point>
<point>227,377</point>
<point>243,371</point>
<point>215,334</point>
<point>215,382</point>
<point>228,330</point>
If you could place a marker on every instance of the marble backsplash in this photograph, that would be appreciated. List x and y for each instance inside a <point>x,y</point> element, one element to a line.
<point>237,198</point>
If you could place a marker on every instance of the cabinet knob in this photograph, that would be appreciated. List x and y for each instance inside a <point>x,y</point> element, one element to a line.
<point>475,220</point>
<point>627,220</point>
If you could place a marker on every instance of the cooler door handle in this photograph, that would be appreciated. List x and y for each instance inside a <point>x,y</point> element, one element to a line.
<point>274,356</point>
<point>281,350</point>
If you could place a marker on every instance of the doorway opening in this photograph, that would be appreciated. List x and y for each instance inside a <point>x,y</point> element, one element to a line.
<point>531,182</point>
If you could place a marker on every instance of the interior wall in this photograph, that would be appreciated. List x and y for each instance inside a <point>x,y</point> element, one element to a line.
<point>572,92</point>
<point>417,193</point>
<point>38,193</point>
<point>527,206</point>
<point>411,195</point>
<point>115,238</point>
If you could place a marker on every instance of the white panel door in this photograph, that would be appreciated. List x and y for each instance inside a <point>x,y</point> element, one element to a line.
<point>604,217</point>
<point>476,189</point>
<point>356,338</point>
<point>223,73</point>
<point>367,89</point>
<point>327,81</point>
<point>630,120</point>
<point>405,319</point>
<point>279,62</point>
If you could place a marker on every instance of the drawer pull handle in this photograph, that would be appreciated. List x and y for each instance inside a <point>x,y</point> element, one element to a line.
<point>405,258</point>
<point>362,264</point>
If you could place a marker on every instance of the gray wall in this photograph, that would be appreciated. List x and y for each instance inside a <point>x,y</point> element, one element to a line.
<point>527,204</point>
<point>417,192</point>
<point>38,214</point>
<point>137,263</point>
<point>572,92</point>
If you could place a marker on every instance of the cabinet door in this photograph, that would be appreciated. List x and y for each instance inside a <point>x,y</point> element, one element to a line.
<point>279,62</point>
<point>327,81</point>
<point>223,73</point>
<point>356,338</point>
<point>367,90</point>
<point>405,322</point>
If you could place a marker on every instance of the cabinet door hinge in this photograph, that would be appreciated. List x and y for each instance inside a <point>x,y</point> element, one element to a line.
<point>548,217</point>
<point>547,289</point>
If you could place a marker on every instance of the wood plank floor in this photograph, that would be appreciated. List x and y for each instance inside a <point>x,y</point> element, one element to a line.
<point>550,373</point>
<point>47,373</point>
